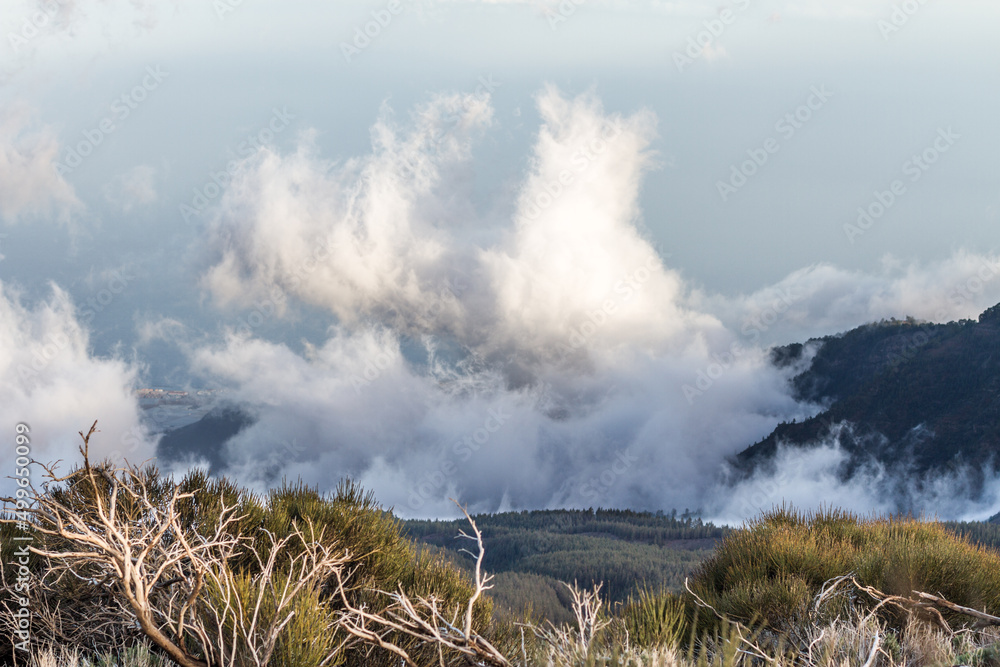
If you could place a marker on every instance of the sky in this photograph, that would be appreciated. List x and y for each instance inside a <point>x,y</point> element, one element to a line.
<point>526,254</point>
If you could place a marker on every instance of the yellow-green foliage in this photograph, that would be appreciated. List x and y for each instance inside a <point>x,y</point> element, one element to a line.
<point>774,566</point>
<point>305,640</point>
<point>349,520</point>
<point>654,618</point>
<point>382,561</point>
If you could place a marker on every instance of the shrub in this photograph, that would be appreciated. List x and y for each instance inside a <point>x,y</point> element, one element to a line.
<point>655,618</point>
<point>774,567</point>
<point>249,583</point>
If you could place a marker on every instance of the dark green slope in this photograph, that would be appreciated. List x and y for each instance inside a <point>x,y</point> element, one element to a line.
<point>624,549</point>
<point>920,397</point>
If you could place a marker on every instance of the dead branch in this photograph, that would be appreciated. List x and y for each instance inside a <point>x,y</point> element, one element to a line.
<point>905,604</point>
<point>422,618</point>
<point>564,640</point>
<point>921,603</point>
<point>131,558</point>
<point>151,572</point>
<point>984,619</point>
<point>111,533</point>
<point>743,633</point>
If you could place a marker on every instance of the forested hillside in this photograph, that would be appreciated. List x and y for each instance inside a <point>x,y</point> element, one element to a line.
<point>531,552</point>
<point>983,533</point>
<point>916,397</point>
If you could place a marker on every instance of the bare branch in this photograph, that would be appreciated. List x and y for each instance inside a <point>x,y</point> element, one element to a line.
<point>422,618</point>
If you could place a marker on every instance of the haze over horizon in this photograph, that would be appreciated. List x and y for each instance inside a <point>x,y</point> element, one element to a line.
<point>524,254</point>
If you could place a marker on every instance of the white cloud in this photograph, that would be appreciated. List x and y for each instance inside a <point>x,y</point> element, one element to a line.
<point>823,299</point>
<point>50,382</point>
<point>376,223</point>
<point>163,329</point>
<point>30,184</point>
<point>809,478</point>
<point>557,362</point>
<point>569,328</point>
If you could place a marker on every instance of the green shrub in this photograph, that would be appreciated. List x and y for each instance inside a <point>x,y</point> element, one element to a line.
<point>654,619</point>
<point>774,567</point>
<point>349,521</point>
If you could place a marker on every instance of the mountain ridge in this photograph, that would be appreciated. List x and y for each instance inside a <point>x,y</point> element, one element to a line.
<point>915,397</point>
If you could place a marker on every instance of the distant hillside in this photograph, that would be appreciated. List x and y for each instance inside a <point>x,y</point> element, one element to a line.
<point>205,438</point>
<point>531,552</point>
<point>984,533</point>
<point>920,397</point>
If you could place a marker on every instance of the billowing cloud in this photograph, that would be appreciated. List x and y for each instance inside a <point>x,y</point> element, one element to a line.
<point>52,384</point>
<point>382,237</point>
<point>575,266</point>
<point>557,361</point>
<point>30,183</point>
<point>823,299</point>
<point>546,368</point>
<point>369,238</point>
<point>417,433</point>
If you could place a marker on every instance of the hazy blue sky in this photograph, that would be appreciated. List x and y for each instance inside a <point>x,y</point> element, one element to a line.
<point>890,95</point>
<point>742,166</point>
